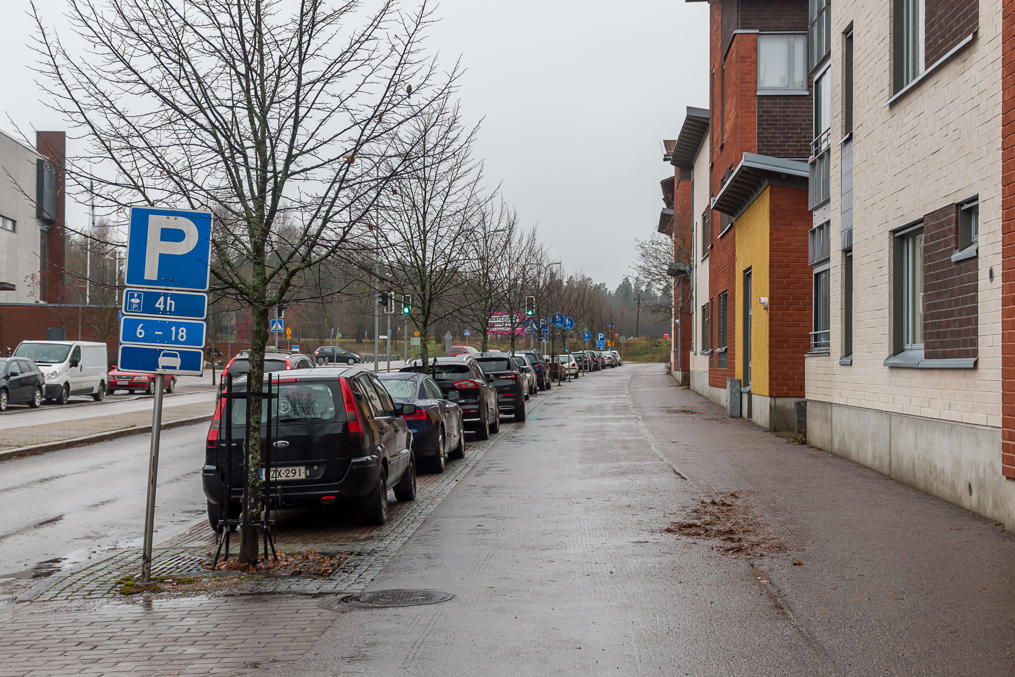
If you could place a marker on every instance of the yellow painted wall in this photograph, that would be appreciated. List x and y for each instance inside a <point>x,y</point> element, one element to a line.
<point>753,252</point>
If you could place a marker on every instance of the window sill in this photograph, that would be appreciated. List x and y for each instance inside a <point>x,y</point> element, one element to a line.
<point>720,351</point>
<point>706,352</point>
<point>725,230</point>
<point>914,359</point>
<point>846,139</point>
<point>846,361</point>
<point>817,353</point>
<point>782,92</point>
<point>933,67</point>
<point>969,252</point>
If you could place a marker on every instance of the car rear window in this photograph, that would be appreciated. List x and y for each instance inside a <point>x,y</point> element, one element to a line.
<point>243,366</point>
<point>449,371</point>
<point>297,402</point>
<point>494,363</point>
<point>404,388</point>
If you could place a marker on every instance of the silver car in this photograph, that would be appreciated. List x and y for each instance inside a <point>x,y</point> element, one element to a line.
<point>526,366</point>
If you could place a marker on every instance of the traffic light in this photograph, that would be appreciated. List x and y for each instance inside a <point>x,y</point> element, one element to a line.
<point>382,299</point>
<point>406,304</point>
<point>530,306</point>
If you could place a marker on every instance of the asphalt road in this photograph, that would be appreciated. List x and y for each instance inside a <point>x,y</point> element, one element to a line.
<point>75,504</point>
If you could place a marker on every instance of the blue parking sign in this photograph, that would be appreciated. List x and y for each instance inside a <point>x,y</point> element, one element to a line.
<point>169,249</point>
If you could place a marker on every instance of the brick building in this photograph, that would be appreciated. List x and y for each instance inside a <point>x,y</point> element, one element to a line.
<point>751,281</point>
<point>905,374</point>
<point>1008,239</point>
<point>675,221</point>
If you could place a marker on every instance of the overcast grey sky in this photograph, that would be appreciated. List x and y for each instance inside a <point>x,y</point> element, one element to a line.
<point>576,95</point>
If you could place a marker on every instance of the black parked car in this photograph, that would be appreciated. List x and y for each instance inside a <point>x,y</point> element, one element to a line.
<point>339,436</point>
<point>508,380</point>
<point>335,354</point>
<point>21,382</point>
<point>437,428</point>
<point>542,367</point>
<point>476,396</point>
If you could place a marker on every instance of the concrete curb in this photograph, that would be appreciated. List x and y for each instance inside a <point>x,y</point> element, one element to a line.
<point>57,445</point>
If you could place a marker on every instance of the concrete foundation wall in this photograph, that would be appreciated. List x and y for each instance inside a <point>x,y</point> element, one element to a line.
<point>954,461</point>
<point>774,414</point>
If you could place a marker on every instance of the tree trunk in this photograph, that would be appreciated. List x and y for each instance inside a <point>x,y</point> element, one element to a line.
<point>255,381</point>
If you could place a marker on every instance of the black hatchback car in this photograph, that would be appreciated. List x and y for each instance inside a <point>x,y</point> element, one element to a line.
<point>21,382</point>
<point>339,436</point>
<point>476,395</point>
<point>508,381</point>
<point>335,355</point>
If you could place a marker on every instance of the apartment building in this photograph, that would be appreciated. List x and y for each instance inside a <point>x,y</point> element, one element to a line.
<point>752,282</point>
<point>904,371</point>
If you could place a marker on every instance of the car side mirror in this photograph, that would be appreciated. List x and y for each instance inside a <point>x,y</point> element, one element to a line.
<point>407,409</point>
<point>73,363</point>
<point>489,378</point>
<point>453,396</point>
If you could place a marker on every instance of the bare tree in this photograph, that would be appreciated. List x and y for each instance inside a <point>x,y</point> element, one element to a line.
<point>269,113</point>
<point>489,267</point>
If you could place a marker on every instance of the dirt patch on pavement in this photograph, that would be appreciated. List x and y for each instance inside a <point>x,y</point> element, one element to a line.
<point>306,563</point>
<point>681,410</point>
<point>733,526</point>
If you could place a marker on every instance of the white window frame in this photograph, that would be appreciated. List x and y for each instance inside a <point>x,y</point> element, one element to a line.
<point>908,241</point>
<point>792,68</point>
<point>8,224</point>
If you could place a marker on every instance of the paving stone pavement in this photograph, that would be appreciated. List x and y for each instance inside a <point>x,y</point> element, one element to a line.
<point>74,623</point>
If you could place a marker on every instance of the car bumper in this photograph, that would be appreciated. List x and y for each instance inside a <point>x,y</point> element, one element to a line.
<point>359,480</point>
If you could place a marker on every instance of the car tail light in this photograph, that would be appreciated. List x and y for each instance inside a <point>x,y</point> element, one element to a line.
<point>418,415</point>
<point>287,365</point>
<point>289,379</point>
<point>351,412</point>
<point>226,370</point>
<point>465,385</point>
<point>216,420</point>
<point>510,377</point>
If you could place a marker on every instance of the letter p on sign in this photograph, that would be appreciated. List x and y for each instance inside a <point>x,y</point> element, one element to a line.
<point>169,249</point>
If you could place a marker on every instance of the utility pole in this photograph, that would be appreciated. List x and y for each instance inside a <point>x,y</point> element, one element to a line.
<point>276,333</point>
<point>637,318</point>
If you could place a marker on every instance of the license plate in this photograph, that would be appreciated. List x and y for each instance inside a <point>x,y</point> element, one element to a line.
<point>285,473</point>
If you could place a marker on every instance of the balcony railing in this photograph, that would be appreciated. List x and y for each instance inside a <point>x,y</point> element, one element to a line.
<point>821,341</point>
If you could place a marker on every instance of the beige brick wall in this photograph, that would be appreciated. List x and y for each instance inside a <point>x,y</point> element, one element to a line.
<point>699,362</point>
<point>937,144</point>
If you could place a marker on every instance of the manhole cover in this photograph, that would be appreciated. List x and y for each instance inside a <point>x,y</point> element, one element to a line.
<point>380,599</point>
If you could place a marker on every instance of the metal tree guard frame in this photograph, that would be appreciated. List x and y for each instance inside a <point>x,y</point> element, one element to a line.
<point>226,523</point>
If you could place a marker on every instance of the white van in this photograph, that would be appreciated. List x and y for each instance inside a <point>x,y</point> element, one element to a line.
<point>69,367</point>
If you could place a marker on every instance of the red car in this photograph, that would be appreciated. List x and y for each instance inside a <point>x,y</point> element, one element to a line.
<point>131,382</point>
<point>457,351</point>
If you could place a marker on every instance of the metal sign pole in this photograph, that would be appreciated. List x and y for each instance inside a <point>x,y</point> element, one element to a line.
<point>388,347</point>
<point>153,473</point>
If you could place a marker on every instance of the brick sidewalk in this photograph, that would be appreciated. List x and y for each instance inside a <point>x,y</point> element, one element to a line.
<point>32,435</point>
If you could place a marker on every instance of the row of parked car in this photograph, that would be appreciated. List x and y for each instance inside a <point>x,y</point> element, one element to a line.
<point>344,435</point>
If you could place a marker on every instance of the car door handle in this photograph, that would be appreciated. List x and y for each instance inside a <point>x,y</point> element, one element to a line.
<point>281,444</point>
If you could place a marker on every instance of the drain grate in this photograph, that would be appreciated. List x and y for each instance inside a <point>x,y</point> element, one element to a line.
<point>383,599</point>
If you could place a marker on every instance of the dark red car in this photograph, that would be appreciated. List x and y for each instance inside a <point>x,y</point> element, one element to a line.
<point>117,379</point>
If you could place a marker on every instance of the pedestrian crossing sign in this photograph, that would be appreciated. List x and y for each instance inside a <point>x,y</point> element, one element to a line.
<point>277,326</point>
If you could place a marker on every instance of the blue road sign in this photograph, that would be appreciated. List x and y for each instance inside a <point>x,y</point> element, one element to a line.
<point>467,332</point>
<point>611,324</point>
<point>169,249</point>
<point>153,331</point>
<point>586,336</point>
<point>543,322</point>
<point>558,320</point>
<point>566,349</point>
<point>178,361</point>
<point>278,326</point>
<point>158,303</point>
<point>568,323</point>
<point>544,333</point>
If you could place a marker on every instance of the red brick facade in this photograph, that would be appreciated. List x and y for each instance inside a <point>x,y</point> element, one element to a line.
<point>1008,239</point>
<point>948,22</point>
<point>683,221</point>
<point>951,313</point>
<point>790,290</point>
<point>784,126</point>
<point>30,321</point>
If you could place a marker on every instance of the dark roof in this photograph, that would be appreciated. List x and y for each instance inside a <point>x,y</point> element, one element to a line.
<point>665,222</point>
<point>692,133</point>
<point>667,187</point>
<point>668,145</point>
<point>752,175</point>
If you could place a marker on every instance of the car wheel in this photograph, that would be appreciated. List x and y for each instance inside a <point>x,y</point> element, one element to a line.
<point>405,490</point>
<point>171,386</point>
<point>3,400</point>
<point>374,507</point>
<point>150,390</point>
<point>100,394</point>
<point>483,432</point>
<point>440,461</point>
<point>520,413</point>
<point>351,360</point>
<point>321,360</point>
<point>64,394</point>
<point>36,398</point>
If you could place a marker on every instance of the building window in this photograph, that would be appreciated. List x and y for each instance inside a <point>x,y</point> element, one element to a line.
<point>820,161</point>
<point>782,67</point>
<point>821,333</point>
<point>847,303</point>
<point>706,231</point>
<point>722,105</point>
<point>907,41</point>
<point>847,82</point>
<point>7,224</point>
<point>705,347</point>
<point>818,31</point>
<point>969,223</point>
<point>721,308</point>
<point>908,334</point>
